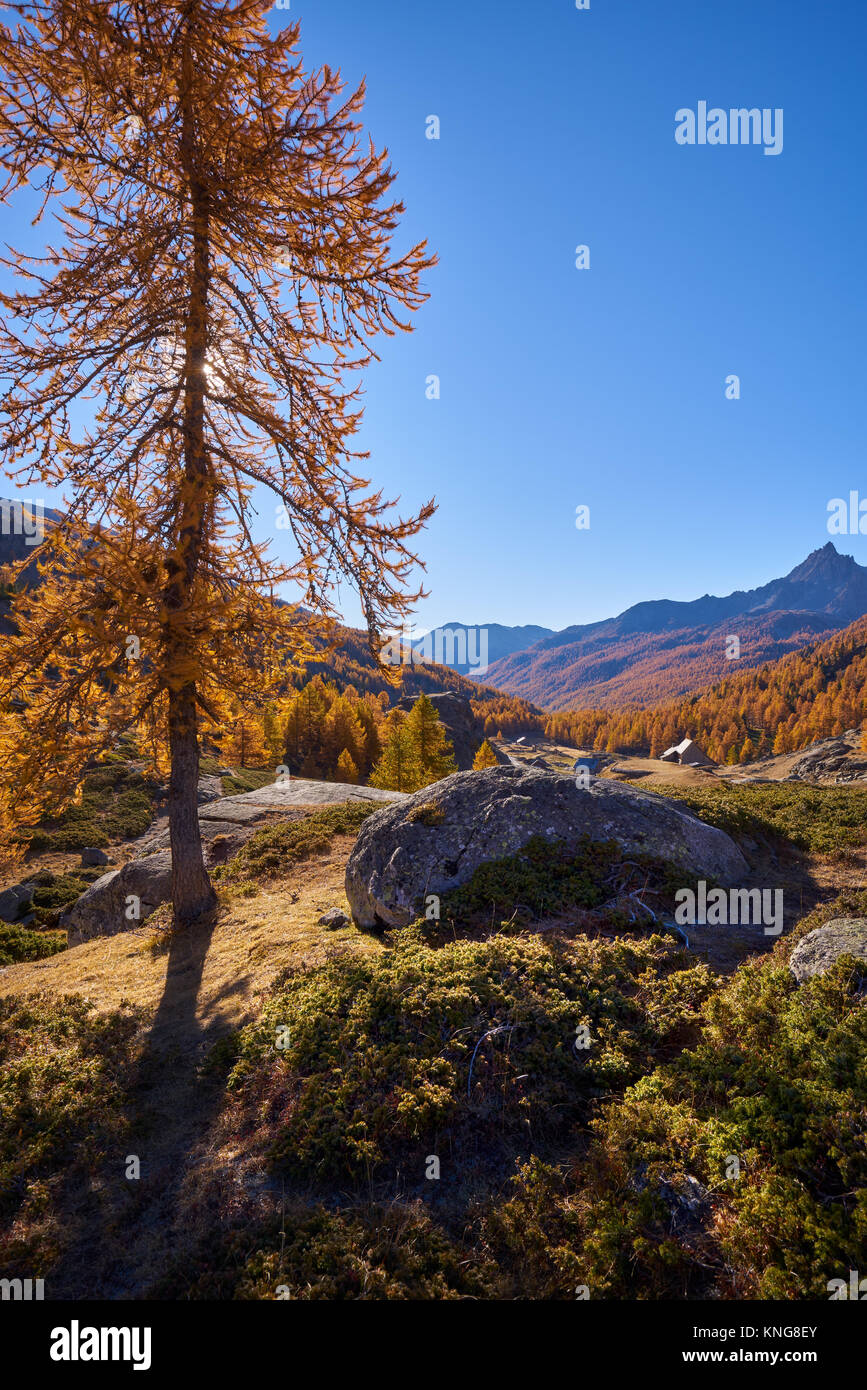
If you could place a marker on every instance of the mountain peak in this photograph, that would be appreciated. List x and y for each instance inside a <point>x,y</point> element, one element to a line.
<point>663,648</point>
<point>826,561</point>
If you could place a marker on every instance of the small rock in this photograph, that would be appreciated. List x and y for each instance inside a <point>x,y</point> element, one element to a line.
<point>93,858</point>
<point>334,919</point>
<point>816,952</point>
<point>13,901</point>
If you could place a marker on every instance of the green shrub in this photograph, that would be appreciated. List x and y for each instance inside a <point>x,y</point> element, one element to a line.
<point>374,1253</point>
<point>116,803</point>
<point>247,779</point>
<point>22,943</point>
<point>778,1082</point>
<point>38,937</point>
<point>546,879</point>
<point>65,1074</point>
<point>380,1050</point>
<point>51,895</point>
<point>73,835</point>
<point>49,899</point>
<point>277,848</point>
<point>822,819</point>
<point>129,817</point>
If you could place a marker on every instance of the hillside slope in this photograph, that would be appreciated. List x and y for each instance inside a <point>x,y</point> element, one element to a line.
<point>660,649</point>
<point>488,642</point>
<point>346,661</point>
<point>350,662</point>
<point>302,1170</point>
<point>816,693</point>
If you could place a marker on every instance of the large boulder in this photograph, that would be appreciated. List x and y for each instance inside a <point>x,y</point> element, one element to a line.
<point>816,952</point>
<point>435,839</point>
<point>120,900</point>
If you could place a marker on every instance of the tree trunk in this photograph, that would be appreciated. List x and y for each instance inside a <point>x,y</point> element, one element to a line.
<point>192,894</point>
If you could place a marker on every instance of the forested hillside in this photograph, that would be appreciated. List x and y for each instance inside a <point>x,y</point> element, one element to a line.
<point>662,649</point>
<point>778,708</point>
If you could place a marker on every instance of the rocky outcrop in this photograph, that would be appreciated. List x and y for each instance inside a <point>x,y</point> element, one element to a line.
<point>225,825</point>
<point>209,789</point>
<point>435,839</point>
<point>284,795</point>
<point>816,952</point>
<point>832,760</point>
<point>120,900</point>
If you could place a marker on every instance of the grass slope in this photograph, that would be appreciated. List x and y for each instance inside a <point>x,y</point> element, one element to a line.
<point>522,1107</point>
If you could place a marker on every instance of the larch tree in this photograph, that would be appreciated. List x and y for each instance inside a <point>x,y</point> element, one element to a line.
<point>433,748</point>
<point>372,745</point>
<point>398,769</point>
<point>243,742</point>
<point>486,757</point>
<point>272,732</point>
<point>343,732</point>
<point>222,261</point>
<point>346,769</point>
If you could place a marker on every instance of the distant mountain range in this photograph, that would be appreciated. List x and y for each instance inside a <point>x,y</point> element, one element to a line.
<point>655,651</point>
<point>816,693</point>
<point>663,648</point>
<point>492,641</point>
<point>21,529</point>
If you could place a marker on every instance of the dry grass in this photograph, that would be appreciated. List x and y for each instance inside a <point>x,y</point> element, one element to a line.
<point>193,989</point>
<point>663,774</point>
<point>199,1174</point>
<point>253,939</point>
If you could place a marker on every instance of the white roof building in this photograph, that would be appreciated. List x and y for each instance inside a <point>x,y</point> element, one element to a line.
<point>687,752</point>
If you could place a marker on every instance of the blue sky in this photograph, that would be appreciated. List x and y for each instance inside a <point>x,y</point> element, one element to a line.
<point>606,386</point>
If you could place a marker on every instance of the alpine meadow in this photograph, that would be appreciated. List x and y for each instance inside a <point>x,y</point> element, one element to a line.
<point>433,639</point>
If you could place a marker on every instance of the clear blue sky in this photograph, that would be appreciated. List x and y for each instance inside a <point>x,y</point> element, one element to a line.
<point>607,386</point>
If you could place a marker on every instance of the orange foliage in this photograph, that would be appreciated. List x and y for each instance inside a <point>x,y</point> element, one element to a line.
<point>811,694</point>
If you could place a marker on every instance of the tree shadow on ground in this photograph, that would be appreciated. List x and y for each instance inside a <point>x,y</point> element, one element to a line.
<point>120,1231</point>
